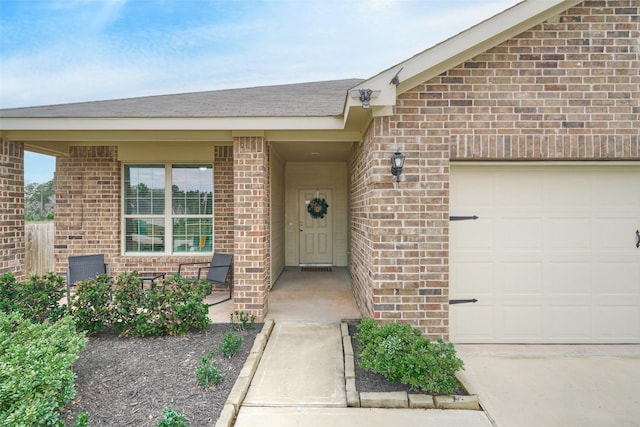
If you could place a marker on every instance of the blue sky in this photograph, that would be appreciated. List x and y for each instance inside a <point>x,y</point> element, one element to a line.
<point>61,51</point>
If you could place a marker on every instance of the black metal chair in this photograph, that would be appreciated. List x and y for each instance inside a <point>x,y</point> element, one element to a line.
<point>219,272</point>
<point>84,267</point>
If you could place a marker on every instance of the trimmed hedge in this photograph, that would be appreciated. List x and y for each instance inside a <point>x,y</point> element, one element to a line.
<point>36,380</point>
<point>172,306</point>
<point>401,354</point>
<point>38,299</point>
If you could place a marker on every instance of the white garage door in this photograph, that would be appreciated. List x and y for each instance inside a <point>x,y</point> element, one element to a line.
<point>552,257</point>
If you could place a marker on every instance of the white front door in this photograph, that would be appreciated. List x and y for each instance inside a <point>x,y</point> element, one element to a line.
<point>552,257</point>
<point>315,233</point>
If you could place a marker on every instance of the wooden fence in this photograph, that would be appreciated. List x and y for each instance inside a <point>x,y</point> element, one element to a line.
<point>39,247</point>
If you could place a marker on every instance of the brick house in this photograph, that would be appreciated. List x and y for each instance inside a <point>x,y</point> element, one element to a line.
<point>529,121</point>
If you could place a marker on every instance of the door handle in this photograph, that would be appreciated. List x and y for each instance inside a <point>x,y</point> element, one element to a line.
<point>637,238</point>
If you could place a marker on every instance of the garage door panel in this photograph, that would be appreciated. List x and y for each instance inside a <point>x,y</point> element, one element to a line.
<point>616,233</point>
<point>522,321</point>
<point>477,278</point>
<point>558,197</point>
<point>616,321</point>
<point>520,234</point>
<point>613,190</point>
<point>476,322</point>
<point>572,233</point>
<point>569,323</point>
<point>520,278</point>
<point>552,257</point>
<point>568,278</point>
<point>474,235</point>
<point>522,191</point>
<point>617,278</point>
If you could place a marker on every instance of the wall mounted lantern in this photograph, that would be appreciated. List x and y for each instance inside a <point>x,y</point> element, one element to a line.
<point>397,163</point>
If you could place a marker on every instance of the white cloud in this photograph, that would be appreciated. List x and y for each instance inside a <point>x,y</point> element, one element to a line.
<point>268,43</point>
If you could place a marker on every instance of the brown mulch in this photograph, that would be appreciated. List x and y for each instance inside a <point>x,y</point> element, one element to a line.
<point>129,381</point>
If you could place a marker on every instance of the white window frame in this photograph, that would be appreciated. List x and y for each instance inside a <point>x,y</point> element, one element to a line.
<point>168,215</point>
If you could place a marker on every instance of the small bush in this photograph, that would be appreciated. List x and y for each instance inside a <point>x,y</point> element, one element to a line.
<point>90,304</point>
<point>230,344</point>
<point>8,293</point>
<point>207,372</point>
<point>82,420</point>
<point>36,380</point>
<point>172,307</point>
<point>171,418</point>
<point>401,354</point>
<point>38,299</point>
<point>242,321</point>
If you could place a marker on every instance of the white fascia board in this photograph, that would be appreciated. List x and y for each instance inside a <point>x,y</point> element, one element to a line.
<point>143,124</point>
<point>57,141</point>
<point>465,45</point>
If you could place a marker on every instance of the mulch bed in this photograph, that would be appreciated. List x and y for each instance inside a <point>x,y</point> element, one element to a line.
<point>129,381</point>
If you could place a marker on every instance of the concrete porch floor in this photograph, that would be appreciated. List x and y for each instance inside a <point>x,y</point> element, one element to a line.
<point>303,296</point>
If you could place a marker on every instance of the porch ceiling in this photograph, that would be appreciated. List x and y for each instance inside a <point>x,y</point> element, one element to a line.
<point>320,151</point>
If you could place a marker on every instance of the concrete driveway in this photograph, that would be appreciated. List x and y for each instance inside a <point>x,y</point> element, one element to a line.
<point>555,385</point>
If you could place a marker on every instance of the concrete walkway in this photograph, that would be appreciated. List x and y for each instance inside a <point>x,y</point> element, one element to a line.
<point>288,372</point>
<point>300,382</point>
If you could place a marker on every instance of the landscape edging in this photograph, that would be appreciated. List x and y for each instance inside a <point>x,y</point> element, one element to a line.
<point>396,399</point>
<point>241,387</point>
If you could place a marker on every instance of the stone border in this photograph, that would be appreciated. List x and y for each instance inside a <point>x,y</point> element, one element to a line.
<point>395,399</point>
<point>239,391</point>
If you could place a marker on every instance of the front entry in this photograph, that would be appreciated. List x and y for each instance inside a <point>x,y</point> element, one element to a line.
<point>316,246</point>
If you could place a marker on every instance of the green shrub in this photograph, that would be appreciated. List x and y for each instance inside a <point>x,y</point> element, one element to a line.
<point>230,344</point>
<point>82,420</point>
<point>8,293</point>
<point>242,321</point>
<point>90,304</point>
<point>171,418</point>
<point>402,354</point>
<point>38,299</point>
<point>171,307</point>
<point>36,380</point>
<point>207,372</point>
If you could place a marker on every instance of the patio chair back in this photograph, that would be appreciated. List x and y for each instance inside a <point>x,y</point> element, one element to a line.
<point>84,267</point>
<point>221,269</point>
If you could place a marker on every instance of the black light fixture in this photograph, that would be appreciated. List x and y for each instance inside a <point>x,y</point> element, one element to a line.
<point>397,163</point>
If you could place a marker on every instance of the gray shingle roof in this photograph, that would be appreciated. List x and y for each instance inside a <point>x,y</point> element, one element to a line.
<point>316,99</point>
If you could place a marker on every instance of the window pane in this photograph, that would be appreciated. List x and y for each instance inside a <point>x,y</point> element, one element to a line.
<point>192,189</point>
<point>145,235</point>
<point>192,235</point>
<point>144,189</point>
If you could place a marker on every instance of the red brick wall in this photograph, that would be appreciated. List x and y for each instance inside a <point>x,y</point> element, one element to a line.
<point>399,231</point>
<point>88,211</point>
<point>12,247</point>
<point>252,225</point>
<point>568,89</point>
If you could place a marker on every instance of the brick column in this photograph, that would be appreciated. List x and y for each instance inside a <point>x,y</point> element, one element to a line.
<point>12,247</point>
<point>251,225</point>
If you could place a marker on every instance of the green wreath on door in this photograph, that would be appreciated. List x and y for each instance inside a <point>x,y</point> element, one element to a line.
<point>317,207</point>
